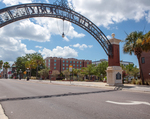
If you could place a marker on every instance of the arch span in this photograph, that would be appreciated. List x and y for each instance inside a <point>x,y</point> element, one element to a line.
<point>60,11</point>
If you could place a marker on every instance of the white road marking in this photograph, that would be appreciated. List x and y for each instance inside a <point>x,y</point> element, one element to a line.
<point>2,115</point>
<point>129,103</point>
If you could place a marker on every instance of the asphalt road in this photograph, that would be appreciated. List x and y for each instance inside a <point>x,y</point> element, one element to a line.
<point>32,100</point>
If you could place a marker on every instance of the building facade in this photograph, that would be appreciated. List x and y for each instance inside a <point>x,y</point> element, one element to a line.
<point>62,64</point>
<point>145,64</point>
<point>121,62</point>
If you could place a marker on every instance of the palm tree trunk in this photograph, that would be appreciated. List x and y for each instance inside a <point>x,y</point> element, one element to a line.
<point>141,72</point>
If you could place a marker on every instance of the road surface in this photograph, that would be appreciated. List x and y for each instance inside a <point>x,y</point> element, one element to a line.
<point>35,100</point>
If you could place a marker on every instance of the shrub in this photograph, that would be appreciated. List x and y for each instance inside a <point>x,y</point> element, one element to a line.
<point>133,81</point>
<point>32,77</point>
<point>139,82</point>
<point>147,81</point>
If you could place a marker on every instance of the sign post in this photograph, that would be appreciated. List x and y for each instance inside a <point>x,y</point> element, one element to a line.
<point>50,72</point>
<point>70,69</point>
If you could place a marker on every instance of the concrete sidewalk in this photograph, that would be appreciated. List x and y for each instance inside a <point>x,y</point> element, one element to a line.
<point>126,87</point>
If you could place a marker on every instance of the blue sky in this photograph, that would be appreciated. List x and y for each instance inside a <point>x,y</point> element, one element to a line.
<point>43,35</point>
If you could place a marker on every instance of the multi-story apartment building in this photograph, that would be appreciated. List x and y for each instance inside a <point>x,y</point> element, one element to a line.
<point>62,64</point>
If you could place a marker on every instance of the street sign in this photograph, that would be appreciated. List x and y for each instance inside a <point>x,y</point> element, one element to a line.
<point>70,68</point>
<point>50,71</point>
<point>24,72</point>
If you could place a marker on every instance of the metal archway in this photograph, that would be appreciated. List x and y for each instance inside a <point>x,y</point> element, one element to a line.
<point>57,10</point>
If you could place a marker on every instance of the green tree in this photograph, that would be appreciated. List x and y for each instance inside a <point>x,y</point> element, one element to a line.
<point>135,43</point>
<point>39,61</point>
<point>55,73</point>
<point>44,73</point>
<point>21,63</point>
<point>6,66</point>
<point>135,72</point>
<point>101,69</point>
<point>1,64</point>
<point>66,73</point>
<point>89,70</point>
<point>31,65</point>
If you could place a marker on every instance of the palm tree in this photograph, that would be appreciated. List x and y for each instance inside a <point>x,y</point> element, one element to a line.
<point>31,65</point>
<point>134,43</point>
<point>1,63</point>
<point>38,60</point>
<point>6,66</point>
<point>89,70</point>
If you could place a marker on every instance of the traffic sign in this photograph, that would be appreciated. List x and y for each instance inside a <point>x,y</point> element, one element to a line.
<point>70,68</point>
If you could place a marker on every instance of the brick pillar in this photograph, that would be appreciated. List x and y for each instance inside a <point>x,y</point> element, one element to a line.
<point>115,59</point>
<point>114,71</point>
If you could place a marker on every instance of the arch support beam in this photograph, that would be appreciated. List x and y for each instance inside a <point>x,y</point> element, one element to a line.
<point>61,11</point>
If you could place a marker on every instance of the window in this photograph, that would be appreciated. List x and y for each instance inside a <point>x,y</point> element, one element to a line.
<point>54,64</point>
<point>70,61</point>
<point>63,61</point>
<point>67,68</point>
<point>80,62</point>
<point>54,67</point>
<point>54,60</point>
<point>74,65</point>
<point>70,64</point>
<point>63,64</point>
<point>66,61</point>
<point>87,62</point>
<point>73,61</point>
<point>80,65</point>
<point>63,68</point>
<point>77,65</point>
<point>143,60</point>
<point>49,60</point>
<point>77,62</point>
<point>66,64</point>
<point>48,64</point>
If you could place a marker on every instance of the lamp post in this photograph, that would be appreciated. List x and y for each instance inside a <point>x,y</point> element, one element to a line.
<point>20,74</point>
<point>28,70</point>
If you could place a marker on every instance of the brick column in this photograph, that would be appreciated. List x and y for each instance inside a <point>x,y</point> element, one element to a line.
<point>114,71</point>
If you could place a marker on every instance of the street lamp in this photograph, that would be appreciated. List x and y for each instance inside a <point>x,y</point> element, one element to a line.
<point>20,74</point>
<point>28,70</point>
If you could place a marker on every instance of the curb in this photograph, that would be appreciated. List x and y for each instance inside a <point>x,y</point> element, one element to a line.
<point>2,115</point>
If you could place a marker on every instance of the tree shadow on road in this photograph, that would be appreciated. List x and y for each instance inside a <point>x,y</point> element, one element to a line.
<point>52,96</point>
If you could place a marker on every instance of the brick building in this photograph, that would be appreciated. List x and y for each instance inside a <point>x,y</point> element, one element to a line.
<point>62,64</point>
<point>145,64</point>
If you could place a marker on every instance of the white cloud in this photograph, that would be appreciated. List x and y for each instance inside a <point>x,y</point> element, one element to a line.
<point>26,30</point>
<point>82,47</point>
<point>12,48</point>
<point>148,17</point>
<point>106,12</point>
<point>55,27</point>
<point>65,52</point>
<point>66,39</point>
<point>90,46</point>
<point>38,47</point>
<point>109,37</point>
<point>47,1</point>
<point>15,2</point>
